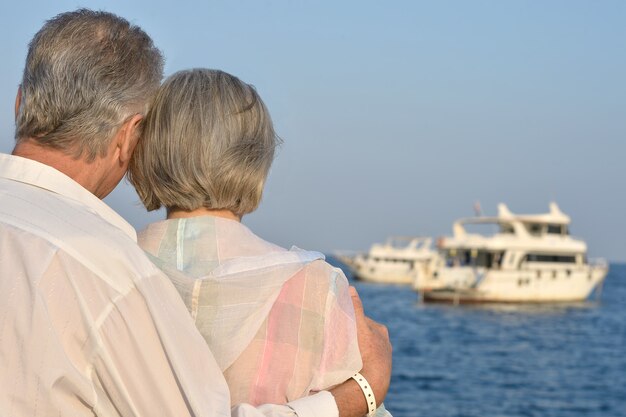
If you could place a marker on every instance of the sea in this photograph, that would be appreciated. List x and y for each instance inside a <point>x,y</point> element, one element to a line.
<point>554,360</point>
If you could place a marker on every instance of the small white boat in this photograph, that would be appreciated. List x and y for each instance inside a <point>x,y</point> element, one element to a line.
<point>393,262</point>
<point>530,258</point>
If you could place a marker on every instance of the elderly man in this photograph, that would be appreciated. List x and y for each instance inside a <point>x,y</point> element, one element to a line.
<point>88,326</point>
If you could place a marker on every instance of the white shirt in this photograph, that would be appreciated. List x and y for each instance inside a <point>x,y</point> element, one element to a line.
<point>88,325</point>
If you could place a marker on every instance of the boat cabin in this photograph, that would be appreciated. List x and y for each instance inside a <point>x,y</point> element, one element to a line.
<point>519,242</point>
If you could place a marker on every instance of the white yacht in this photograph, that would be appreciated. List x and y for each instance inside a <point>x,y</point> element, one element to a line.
<point>530,258</point>
<point>393,262</point>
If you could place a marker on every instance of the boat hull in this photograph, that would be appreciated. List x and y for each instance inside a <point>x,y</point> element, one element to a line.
<point>382,271</point>
<point>394,262</point>
<point>529,286</point>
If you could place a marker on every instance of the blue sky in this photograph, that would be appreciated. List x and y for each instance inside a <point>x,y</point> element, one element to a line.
<point>397,116</point>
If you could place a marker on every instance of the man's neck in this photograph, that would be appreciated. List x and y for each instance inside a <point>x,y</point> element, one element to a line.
<point>87,174</point>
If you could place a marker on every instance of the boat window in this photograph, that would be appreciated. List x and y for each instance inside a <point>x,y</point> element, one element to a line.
<point>474,257</point>
<point>555,229</point>
<point>536,257</point>
<point>506,229</point>
<point>496,260</point>
<point>467,257</point>
<point>535,229</point>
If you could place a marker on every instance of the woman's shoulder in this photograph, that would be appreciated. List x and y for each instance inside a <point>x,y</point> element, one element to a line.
<point>322,269</point>
<point>323,277</point>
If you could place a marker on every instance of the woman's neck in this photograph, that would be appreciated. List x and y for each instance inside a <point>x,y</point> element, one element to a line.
<point>175,213</point>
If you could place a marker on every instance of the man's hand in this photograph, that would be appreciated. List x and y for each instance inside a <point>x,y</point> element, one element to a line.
<point>375,350</point>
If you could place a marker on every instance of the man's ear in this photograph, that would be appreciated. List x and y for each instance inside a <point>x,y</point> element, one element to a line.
<point>18,100</point>
<point>128,137</point>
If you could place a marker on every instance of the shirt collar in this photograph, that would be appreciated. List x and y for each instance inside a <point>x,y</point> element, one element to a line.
<point>35,173</point>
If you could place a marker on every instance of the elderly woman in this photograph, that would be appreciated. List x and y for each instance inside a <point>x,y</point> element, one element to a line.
<point>280,322</point>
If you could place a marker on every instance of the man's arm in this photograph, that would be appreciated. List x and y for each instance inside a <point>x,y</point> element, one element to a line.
<point>153,360</point>
<point>376,353</point>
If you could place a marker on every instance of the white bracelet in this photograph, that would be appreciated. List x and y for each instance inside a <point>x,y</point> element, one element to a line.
<point>367,391</point>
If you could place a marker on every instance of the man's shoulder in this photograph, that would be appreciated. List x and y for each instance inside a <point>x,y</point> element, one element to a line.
<point>73,228</point>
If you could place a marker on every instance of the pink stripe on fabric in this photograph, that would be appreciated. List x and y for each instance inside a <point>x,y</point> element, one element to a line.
<point>278,362</point>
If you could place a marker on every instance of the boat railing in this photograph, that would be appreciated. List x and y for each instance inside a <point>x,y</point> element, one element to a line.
<point>598,263</point>
<point>408,242</point>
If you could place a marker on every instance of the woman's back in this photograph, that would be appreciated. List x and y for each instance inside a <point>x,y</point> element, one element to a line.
<point>281,323</point>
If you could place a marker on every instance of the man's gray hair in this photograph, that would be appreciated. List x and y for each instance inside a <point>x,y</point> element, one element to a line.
<point>208,141</point>
<point>86,73</point>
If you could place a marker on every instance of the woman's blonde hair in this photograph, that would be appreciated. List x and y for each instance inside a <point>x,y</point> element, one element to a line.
<point>208,141</point>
